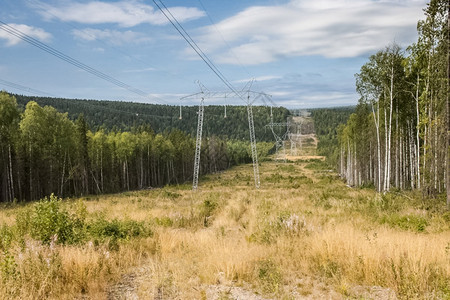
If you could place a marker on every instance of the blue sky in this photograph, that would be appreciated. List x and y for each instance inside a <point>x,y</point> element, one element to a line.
<point>303,52</point>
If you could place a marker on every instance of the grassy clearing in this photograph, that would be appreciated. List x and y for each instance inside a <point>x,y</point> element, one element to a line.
<point>303,234</point>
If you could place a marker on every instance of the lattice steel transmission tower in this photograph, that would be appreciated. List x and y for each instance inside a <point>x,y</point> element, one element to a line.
<point>279,140</point>
<point>296,139</point>
<point>198,144</point>
<point>249,97</point>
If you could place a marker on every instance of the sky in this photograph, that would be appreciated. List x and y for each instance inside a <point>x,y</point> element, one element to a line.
<point>304,53</point>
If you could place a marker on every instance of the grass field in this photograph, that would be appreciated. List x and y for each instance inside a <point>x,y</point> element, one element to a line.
<point>303,234</point>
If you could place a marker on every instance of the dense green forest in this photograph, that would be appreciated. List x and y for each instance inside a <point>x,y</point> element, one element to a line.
<point>43,151</point>
<point>117,115</point>
<point>326,122</point>
<point>398,136</point>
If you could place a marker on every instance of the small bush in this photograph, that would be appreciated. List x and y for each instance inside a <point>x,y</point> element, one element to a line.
<point>208,207</point>
<point>47,220</point>
<point>8,267</point>
<point>6,237</point>
<point>164,221</point>
<point>297,181</point>
<point>408,222</point>
<point>317,164</point>
<point>274,178</point>
<point>392,202</point>
<point>170,195</point>
<point>446,216</point>
<point>102,229</point>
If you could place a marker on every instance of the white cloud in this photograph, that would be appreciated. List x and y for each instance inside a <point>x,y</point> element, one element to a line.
<point>310,90</point>
<point>99,49</point>
<point>33,32</point>
<point>140,70</point>
<point>281,94</point>
<point>329,28</point>
<point>259,78</point>
<point>112,36</point>
<point>317,99</point>
<point>123,13</point>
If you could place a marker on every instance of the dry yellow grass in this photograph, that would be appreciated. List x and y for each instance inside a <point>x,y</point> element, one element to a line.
<point>302,234</point>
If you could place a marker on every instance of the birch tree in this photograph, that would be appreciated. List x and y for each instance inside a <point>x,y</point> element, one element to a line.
<point>9,125</point>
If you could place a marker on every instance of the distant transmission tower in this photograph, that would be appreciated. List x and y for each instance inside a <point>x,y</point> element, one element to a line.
<point>295,139</point>
<point>293,144</point>
<point>279,140</point>
<point>246,94</point>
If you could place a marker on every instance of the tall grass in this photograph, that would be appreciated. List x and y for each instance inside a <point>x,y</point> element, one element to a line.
<point>302,234</point>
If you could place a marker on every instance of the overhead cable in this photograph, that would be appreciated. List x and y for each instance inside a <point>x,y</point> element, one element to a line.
<point>166,12</point>
<point>223,39</point>
<point>23,88</point>
<point>19,34</point>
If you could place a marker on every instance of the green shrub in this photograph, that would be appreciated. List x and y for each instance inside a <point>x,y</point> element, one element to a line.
<point>297,181</point>
<point>47,220</point>
<point>8,267</point>
<point>274,178</point>
<point>446,216</point>
<point>164,221</point>
<point>102,229</point>
<point>392,202</point>
<point>170,195</point>
<point>317,164</point>
<point>208,207</point>
<point>6,237</point>
<point>408,222</point>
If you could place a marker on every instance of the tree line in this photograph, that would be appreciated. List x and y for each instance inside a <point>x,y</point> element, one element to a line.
<point>398,136</point>
<point>326,123</point>
<point>44,152</point>
<point>120,115</point>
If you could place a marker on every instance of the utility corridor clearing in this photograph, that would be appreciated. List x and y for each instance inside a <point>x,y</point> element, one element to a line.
<point>303,235</point>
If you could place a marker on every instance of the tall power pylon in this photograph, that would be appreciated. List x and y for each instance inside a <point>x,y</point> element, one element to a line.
<point>198,143</point>
<point>296,139</point>
<point>249,97</point>
<point>279,140</point>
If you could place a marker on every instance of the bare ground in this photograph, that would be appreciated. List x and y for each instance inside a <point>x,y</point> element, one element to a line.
<point>131,287</point>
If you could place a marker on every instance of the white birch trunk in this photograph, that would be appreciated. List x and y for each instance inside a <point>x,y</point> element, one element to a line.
<point>11,173</point>
<point>418,134</point>
<point>377,127</point>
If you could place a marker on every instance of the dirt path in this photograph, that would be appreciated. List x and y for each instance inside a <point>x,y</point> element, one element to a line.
<point>129,288</point>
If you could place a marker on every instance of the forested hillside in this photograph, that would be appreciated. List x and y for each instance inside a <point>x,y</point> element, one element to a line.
<point>44,152</point>
<point>326,122</point>
<point>116,115</point>
<point>398,136</point>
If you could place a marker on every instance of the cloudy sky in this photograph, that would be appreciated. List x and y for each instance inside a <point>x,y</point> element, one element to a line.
<point>303,52</point>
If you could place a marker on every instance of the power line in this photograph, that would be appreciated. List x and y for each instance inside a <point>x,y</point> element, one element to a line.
<point>126,54</point>
<point>216,71</point>
<point>229,47</point>
<point>19,34</point>
<point>97,103</point>
<point>194,46</point>
<point>226,43</point>
<point>23,88</point>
